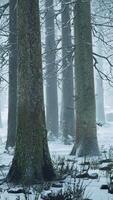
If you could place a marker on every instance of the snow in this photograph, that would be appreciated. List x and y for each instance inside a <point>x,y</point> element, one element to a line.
<point>59,150</point>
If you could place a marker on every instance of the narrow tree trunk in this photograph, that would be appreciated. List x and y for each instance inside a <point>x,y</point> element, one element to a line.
<point>31,161</point>
<point>12,101</point>
<point>86,134</point>
<point>100,113</point>
<point>67,109</point>
<point>51,71</point>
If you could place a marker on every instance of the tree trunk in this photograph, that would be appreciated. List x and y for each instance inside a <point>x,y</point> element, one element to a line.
<point>100,113</point>
<point>86,134</point>
<point>12,101</point>
<point>51,71</point>
<point>67,109</point>
<point>31,163</point>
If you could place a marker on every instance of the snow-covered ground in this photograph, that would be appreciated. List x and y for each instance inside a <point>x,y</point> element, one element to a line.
<point>105,139</point>
<point>93,191</point>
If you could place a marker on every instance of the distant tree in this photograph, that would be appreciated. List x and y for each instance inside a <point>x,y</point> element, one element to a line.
<point>67,108</point>
<point>86,134</point>
<point>12,100</point>
<point>31,162</point>
<point>51,71</point>
<point>100,113</point>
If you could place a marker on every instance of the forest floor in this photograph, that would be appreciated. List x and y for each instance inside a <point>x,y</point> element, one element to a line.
<point>60,151</point>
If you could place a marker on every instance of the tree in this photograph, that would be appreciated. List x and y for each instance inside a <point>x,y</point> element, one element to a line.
<point>51,71</point>
<point>31,162</point>
<point>67,109</point>
<point>100,113</point>
<point>86,135</point>
<point>12,100</point>
<point>3,44</point>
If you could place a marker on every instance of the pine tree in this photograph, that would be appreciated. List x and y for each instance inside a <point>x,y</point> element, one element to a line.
<point>12,100</point>
<point>31,162</point>
<point>67,109</point>
<point>51,71</point>
<point>86,134</point>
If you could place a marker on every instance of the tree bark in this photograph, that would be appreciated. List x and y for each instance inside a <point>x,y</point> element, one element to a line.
<point>100,112</point>
<point>12,99</point>
<point>51,71</point>
<point>31,163</point>
<point>67,109</point>
<point>86,134</point>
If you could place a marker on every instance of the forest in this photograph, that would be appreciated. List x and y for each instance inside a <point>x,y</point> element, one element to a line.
<point>56,99</point>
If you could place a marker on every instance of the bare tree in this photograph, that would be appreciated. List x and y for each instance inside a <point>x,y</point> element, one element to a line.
<point>31,162</point>
<point>67,108</point>
<point>12,102</point>
<point>86,134</point>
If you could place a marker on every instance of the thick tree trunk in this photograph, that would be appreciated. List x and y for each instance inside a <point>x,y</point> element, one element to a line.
<point>86,135</point>
<point>51,71</point>
<point>31,161</point>
<point>12,101</point>
<point>67,109</point>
